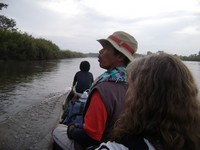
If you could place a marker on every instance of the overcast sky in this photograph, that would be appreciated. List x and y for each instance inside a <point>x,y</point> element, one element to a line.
<point>172,26</point>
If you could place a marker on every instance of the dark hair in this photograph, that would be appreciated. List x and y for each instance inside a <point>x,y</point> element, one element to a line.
<point>84,66</point>
<point>161,103</point>
<point>126,60</point>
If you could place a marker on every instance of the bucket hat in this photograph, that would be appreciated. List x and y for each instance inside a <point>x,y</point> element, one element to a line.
<point>123,42</point>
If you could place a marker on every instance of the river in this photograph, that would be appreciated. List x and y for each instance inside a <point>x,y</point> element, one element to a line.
<point>23,84</point>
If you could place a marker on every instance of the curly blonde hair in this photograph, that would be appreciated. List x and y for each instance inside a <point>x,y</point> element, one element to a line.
<point>161,103</point>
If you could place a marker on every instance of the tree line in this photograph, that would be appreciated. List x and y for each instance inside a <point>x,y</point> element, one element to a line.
<point>21,46</point>
<point>15,45</point>
<point>190,58</point>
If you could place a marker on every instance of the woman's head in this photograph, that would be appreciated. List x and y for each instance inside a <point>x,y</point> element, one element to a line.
<point>84,66</point>
<point>161,100</point>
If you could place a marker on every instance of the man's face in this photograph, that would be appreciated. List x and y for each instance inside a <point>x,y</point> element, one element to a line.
<point>107,58</point>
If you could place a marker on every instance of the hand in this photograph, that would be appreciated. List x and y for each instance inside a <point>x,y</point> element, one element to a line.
<point>69,129</point>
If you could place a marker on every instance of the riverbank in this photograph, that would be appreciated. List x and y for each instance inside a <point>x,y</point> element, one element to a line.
<point>31,128</point>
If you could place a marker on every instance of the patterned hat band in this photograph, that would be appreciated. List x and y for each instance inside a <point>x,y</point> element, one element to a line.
<point>122,44</point>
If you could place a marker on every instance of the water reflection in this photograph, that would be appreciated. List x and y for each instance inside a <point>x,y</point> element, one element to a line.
<point>23,84</point>
<point>16,79</point>
<point>15,72</point>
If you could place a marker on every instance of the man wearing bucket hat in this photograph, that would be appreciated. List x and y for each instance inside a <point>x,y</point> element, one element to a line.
<point>106,97</point>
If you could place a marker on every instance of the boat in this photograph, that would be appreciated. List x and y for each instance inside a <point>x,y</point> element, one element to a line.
<point>71,96</point>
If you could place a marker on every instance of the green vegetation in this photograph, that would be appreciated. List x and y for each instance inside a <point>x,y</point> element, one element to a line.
<point>21,46</point>
<point>193,57</point>
<point>15,45</point>
<point>190,58</point>
<point>6,24</point>
<point>70,54</point>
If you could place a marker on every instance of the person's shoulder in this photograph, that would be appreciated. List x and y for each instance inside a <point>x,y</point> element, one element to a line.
<point>105,83</point>
<point>91,75</point>
<point>111,87</point>
<point>117,146</point>
<point>111,146</point>
<point>78,72</point>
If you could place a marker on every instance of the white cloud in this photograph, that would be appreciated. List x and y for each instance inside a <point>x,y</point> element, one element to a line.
<point>76,24</point>
<point>65,8</point>
<point>143,8</point>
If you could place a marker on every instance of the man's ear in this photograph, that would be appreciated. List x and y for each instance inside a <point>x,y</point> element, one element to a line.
<point>121,57</point>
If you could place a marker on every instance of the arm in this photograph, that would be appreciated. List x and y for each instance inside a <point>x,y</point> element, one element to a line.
<point>92,77</point>
<point>94,123</point>
<point>80,136</point>
<point>75,80</point>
